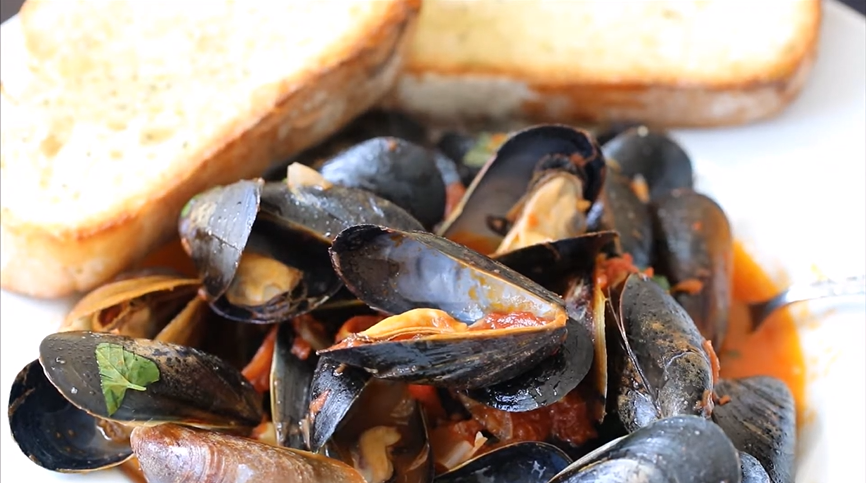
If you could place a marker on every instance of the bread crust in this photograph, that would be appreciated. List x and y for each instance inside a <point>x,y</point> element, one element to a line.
<point>57,261</point>
<point>486,95</point>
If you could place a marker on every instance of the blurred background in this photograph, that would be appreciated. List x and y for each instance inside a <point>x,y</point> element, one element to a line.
<point>9,8</point>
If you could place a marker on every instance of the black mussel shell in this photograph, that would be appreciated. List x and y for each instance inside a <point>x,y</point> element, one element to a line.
<point>655,156</point>
<point>396,170</point>
<point>214,227</point>
<point>334,389</point>
<point>193,387</point>
<point>662,368</point>
<point>682,449</point>
<point>525,462</point>
<point>621,210</point>
<point>752,470</point>
<point>503,181</point>
<point>56,435</point>
<point>565,267</point>
<point>760,419</point>
<point>397,272</point>
<point>290,389</point>
<point>694,242</point>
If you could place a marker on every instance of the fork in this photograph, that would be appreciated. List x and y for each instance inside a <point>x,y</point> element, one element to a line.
<point>760,311</point>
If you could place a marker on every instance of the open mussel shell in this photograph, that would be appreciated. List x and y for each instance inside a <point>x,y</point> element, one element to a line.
<point>384,436</point>
<point>662,369</point>
<point>682,449</point>
<point>137,307</point>
<point>396,170</point>
<point>503,181</point>
<point>565,267</point>
<point>760,420</point>
<point>525,462</point>
<point>334,389</point>
<point>200,456</point>
<point>190,386</point>
<point>290,389</point>
<point>396,272</point>
<point>55,434</point>
<point>653,155</point>
<point>214,227</point>
<point>695,244</point>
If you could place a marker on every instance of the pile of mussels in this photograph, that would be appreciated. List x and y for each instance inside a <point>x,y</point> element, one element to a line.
<point>401,312</point>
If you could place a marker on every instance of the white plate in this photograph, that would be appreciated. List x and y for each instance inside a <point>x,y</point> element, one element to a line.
<point>794,189</point>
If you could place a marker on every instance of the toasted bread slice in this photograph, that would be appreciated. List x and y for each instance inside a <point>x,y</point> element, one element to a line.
<point>127,109</point>
<point>667,63</point>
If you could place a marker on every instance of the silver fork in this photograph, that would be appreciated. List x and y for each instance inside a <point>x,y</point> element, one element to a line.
<point>760,311</point>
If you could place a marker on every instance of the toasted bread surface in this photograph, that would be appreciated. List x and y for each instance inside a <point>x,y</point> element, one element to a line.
<point>670,63</point>
<point>124,111</point>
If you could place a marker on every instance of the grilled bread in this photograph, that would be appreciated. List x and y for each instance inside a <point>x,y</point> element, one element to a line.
<point>120,111</point>
<point>667,63</point>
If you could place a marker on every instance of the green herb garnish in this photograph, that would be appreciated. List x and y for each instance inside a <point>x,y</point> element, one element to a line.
<point>483,148</point>
<point>119,370</point>
<point>662,282</point>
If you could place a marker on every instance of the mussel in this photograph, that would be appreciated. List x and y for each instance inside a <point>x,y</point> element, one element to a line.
<point>199,456</point>
<point>462,320</point>
<point>683,449</point>
<point>530,462</point>
<point>541,156</point>
<point>621,210</point>
<point>262,249</point>
<point>396,170</point>
<point>662,367</point>
<point>653,157</point>
<point>290,379</point>
<point>759,418</point>
<point>695,246</point>
<point>60,436</point>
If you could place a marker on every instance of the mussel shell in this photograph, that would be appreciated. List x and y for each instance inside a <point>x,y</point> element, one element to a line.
<point>694,241</point>
<point>333,391</point>
<point>193,387</point>
<point>624,212</point>
<point>760,419</point>
<point>559,267</point>
<point>455,145</point>
<point>752,470</point>
<point>655,156</point>
<point>137,307</point>
<point>53,433</point>
<point>170,453</point>
<point>353,206</point>
<point>294,246</point>
<point>682,449</point>
<point>396,272</point>
<point>525,462</point>
<point>290,389</point>
<point>396,170</point>
<point>384,404</point>
<point>547,382</point>
<point>503,181</point>
<point>214,227</point>
<point>667,371</point>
